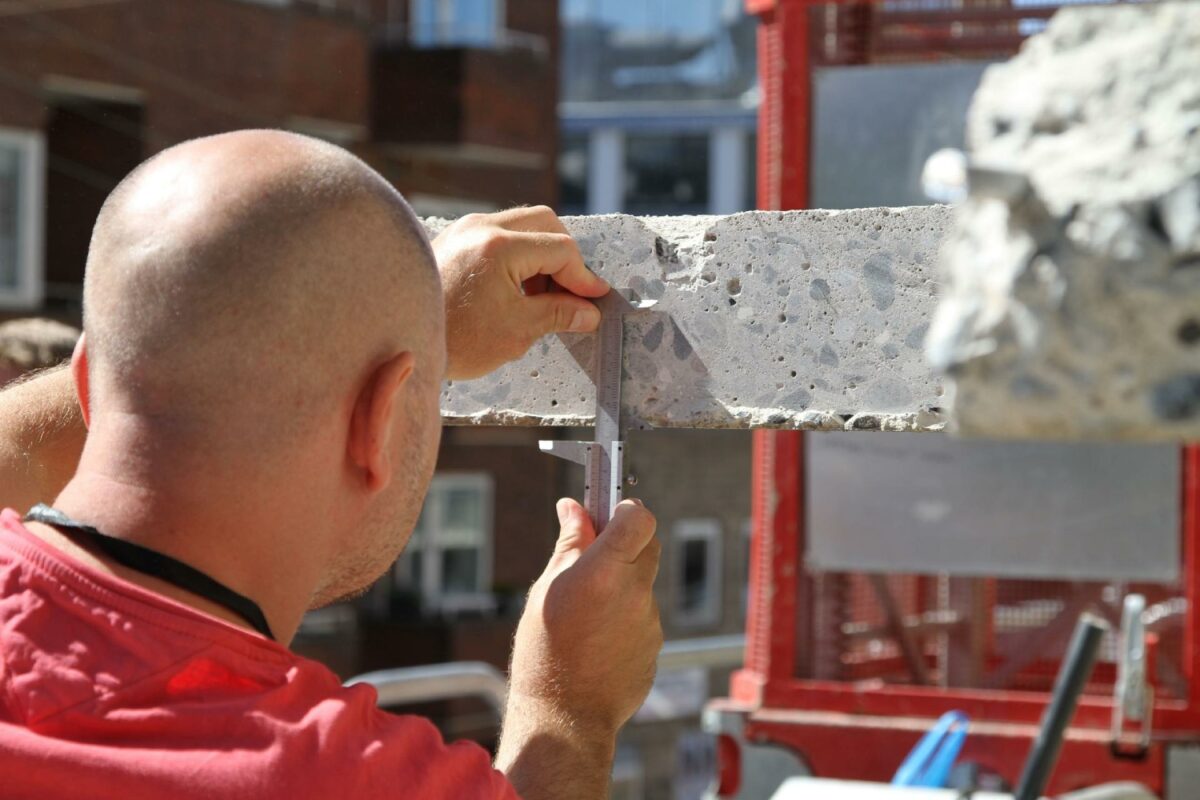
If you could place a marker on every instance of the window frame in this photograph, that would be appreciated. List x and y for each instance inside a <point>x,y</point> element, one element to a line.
<point>709,531</point>
<point>30,287</point>
<point>434,596</point>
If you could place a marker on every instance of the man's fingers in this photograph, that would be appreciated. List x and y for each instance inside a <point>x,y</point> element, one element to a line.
<point>530,218</point>
<point>555,255</point>
<point>576,532</point>
<point>629,532</point>
<point>559,312</point>
<point>647,562</point>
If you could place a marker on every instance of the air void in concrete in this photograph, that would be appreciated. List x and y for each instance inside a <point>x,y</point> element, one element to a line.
<point>804,320</point>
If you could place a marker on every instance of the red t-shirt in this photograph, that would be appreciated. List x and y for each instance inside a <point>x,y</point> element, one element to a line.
<point>108,690</point>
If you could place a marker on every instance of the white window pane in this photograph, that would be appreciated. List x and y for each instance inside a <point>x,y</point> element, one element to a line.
<point>460,537</point>
<point>463,509</point>
<point>460,570</point>
<point>695,583</point>
<point>696,567</point>
<point>10,214</point>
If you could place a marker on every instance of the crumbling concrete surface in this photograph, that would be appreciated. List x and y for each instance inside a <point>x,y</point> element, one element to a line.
<point>1071,303</point>
<point>811,320</point>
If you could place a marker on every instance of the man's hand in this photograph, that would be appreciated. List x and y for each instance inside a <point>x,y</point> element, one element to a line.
<point>41,438</point>
<point>509,279</point>
<point>584,654</point>
<point>590,635</point>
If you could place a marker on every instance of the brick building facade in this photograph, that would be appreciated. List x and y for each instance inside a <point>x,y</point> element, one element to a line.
<point>88,90</point>
<point>459,113</point>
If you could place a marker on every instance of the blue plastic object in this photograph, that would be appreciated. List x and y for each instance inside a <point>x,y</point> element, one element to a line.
<point>930,762</point>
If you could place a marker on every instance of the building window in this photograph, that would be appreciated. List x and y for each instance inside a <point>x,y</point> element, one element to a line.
<point>573,174</point>
<point>666,173</point>
<point>644,166</point>
<point>447,565</point>
<point>441,23</point>
<point>22,175</point>
<point>696,555</point>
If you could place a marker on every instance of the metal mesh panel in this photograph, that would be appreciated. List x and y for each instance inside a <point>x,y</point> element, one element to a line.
<point>981,633</point>
<point>881,31</point>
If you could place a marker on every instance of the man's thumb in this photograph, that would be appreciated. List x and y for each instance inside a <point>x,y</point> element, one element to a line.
<point>576,532</point>
<point>563,312</point>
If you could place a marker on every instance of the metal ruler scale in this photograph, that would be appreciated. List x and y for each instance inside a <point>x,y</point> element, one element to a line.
<point>603,458</point>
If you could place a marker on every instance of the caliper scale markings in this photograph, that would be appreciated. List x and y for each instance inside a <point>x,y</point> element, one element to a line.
<point>603,458</point>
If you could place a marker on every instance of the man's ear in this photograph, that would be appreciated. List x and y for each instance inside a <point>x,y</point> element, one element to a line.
<point>371,425</point>
<point>79,371</point>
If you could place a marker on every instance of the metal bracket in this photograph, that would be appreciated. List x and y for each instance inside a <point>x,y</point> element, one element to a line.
<point>603,459</point>
<point>1133,694</point>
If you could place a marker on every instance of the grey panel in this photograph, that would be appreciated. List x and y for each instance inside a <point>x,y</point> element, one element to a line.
<point>876,125</point>
<point>898,502</point>
<point>1183,772</point>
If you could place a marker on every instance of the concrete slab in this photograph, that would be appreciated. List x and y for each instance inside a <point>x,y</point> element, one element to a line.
<point>803,320</point>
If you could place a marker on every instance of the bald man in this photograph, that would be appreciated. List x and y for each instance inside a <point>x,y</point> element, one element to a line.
<point>265,334</point>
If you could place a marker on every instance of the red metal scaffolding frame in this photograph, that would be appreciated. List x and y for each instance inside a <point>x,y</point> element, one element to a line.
<point>781,702</point>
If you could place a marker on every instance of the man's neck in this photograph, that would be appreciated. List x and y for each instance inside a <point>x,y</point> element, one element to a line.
<point>224,528</point>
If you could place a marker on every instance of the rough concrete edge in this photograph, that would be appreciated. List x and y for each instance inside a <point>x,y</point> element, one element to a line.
<point>921,421</point>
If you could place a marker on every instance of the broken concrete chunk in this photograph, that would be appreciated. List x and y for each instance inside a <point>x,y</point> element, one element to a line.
<point>1072,274</point>
<point>806,320</point>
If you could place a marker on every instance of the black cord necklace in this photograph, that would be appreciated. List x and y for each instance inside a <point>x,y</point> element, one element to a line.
<point>158,565</point>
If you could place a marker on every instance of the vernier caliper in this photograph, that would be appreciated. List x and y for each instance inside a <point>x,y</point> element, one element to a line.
<point>603,459</point>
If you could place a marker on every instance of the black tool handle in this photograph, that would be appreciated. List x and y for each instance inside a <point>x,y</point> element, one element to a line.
<point>1072,678</point>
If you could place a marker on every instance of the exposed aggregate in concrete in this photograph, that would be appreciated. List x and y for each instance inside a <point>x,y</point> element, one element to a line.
<point>1072,275</point>
<point>810,320</point>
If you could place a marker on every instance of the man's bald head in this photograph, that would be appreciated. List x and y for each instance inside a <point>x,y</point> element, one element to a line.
<point>237,284</point>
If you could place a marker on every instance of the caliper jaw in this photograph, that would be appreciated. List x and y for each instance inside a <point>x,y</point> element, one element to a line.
<point>603,459</point>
